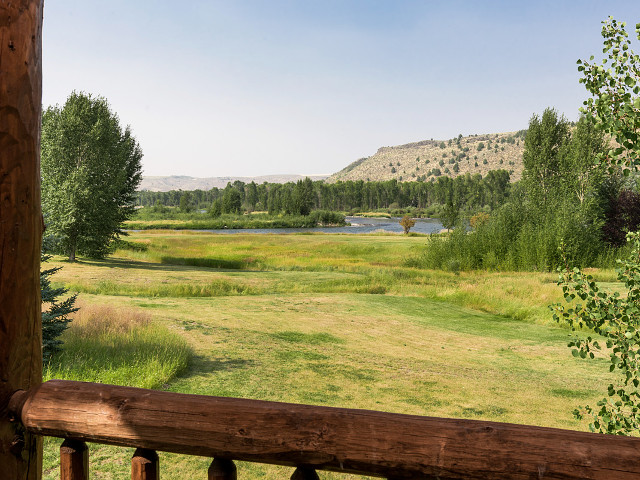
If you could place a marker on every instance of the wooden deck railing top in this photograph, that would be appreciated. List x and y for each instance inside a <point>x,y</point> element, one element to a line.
<point>337,439</point>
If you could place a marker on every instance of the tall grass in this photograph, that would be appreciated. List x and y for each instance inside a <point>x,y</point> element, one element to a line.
<point>120,346</point>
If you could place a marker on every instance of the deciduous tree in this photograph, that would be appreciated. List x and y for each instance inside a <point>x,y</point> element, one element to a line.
<point>545,141</point>
<point>231,200</point>
<point>90,171</point>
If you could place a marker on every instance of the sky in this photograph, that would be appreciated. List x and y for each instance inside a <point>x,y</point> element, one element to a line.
<point>265,87</point>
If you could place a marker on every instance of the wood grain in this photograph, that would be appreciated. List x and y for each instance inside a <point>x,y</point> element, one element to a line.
<point>346,440</point>
<point>20,225</point>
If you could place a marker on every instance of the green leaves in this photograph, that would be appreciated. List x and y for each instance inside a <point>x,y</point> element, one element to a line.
<point>616,110</point>
<point>616,318</point>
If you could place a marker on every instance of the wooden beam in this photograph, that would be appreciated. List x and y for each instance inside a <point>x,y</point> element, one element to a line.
<point>346,440</point>
<point>20,225</point>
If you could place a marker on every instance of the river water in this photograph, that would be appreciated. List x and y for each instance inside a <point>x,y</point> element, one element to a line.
<point>358,225</point>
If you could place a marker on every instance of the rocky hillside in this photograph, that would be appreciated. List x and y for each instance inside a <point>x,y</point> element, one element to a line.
<point>422,161</point>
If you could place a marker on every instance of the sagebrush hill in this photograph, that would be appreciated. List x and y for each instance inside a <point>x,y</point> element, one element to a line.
<point>430,159</point>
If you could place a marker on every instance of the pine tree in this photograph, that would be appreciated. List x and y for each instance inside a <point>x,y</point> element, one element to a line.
<point>55,319</point>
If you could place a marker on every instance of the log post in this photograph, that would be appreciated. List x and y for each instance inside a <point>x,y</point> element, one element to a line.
<point>74,460</point>
<point>222,469</point>
<point>20,226</point>
<point>145,465</point>
<point>305,473</point>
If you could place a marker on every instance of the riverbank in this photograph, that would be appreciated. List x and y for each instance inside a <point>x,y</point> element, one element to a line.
<point>203,221</point>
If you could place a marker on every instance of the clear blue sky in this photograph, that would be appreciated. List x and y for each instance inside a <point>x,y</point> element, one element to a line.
<point>248,87</point>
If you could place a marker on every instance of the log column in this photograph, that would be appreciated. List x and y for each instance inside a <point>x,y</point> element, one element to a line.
<point>20,226</point>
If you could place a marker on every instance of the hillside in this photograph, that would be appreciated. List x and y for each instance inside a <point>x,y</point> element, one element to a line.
<point>177,182</point>
<point>422,161</point>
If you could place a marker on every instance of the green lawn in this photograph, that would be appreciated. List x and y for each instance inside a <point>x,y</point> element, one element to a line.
<point>338,320</point>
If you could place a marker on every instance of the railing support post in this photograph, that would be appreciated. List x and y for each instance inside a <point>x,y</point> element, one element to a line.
<point>145,465</point>
<point>222,469</point>
<point>20,227</point>
<point>74,460</point>
<point>305,473</point>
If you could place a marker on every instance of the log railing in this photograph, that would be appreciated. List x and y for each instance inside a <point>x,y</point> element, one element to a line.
<point>309,437</point>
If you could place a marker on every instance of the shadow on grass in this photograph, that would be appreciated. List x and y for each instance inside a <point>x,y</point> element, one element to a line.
<point>208,262</point>
<point>201,366</point>
<point>168,264</point>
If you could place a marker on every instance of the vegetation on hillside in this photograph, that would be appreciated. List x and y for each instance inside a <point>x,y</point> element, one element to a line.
<point>430,159</point>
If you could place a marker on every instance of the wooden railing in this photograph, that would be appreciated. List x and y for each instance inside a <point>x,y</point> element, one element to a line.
<point>309,437</point>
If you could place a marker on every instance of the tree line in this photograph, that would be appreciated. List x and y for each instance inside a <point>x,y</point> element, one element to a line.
<point>466,192</point>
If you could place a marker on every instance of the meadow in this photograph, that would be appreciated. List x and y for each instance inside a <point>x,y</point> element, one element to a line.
<point>324,319</point>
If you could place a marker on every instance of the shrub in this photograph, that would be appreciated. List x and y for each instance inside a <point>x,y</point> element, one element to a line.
<point>407,223</point>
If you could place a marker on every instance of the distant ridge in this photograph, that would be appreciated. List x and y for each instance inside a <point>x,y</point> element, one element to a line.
<point>179,182</point>
<point>429,159</point>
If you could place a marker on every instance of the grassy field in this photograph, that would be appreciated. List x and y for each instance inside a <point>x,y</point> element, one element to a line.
<point>340,320</point>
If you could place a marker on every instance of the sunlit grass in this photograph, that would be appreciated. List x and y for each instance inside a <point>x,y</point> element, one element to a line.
<point>333,320</point>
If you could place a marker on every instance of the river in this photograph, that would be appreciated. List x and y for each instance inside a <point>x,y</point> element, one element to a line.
<point>358,225</point>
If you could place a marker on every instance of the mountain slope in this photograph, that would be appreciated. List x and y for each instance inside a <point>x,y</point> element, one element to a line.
<point>422,161</point>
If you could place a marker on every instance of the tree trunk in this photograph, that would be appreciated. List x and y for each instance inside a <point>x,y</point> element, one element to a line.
<point>20,226</point>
